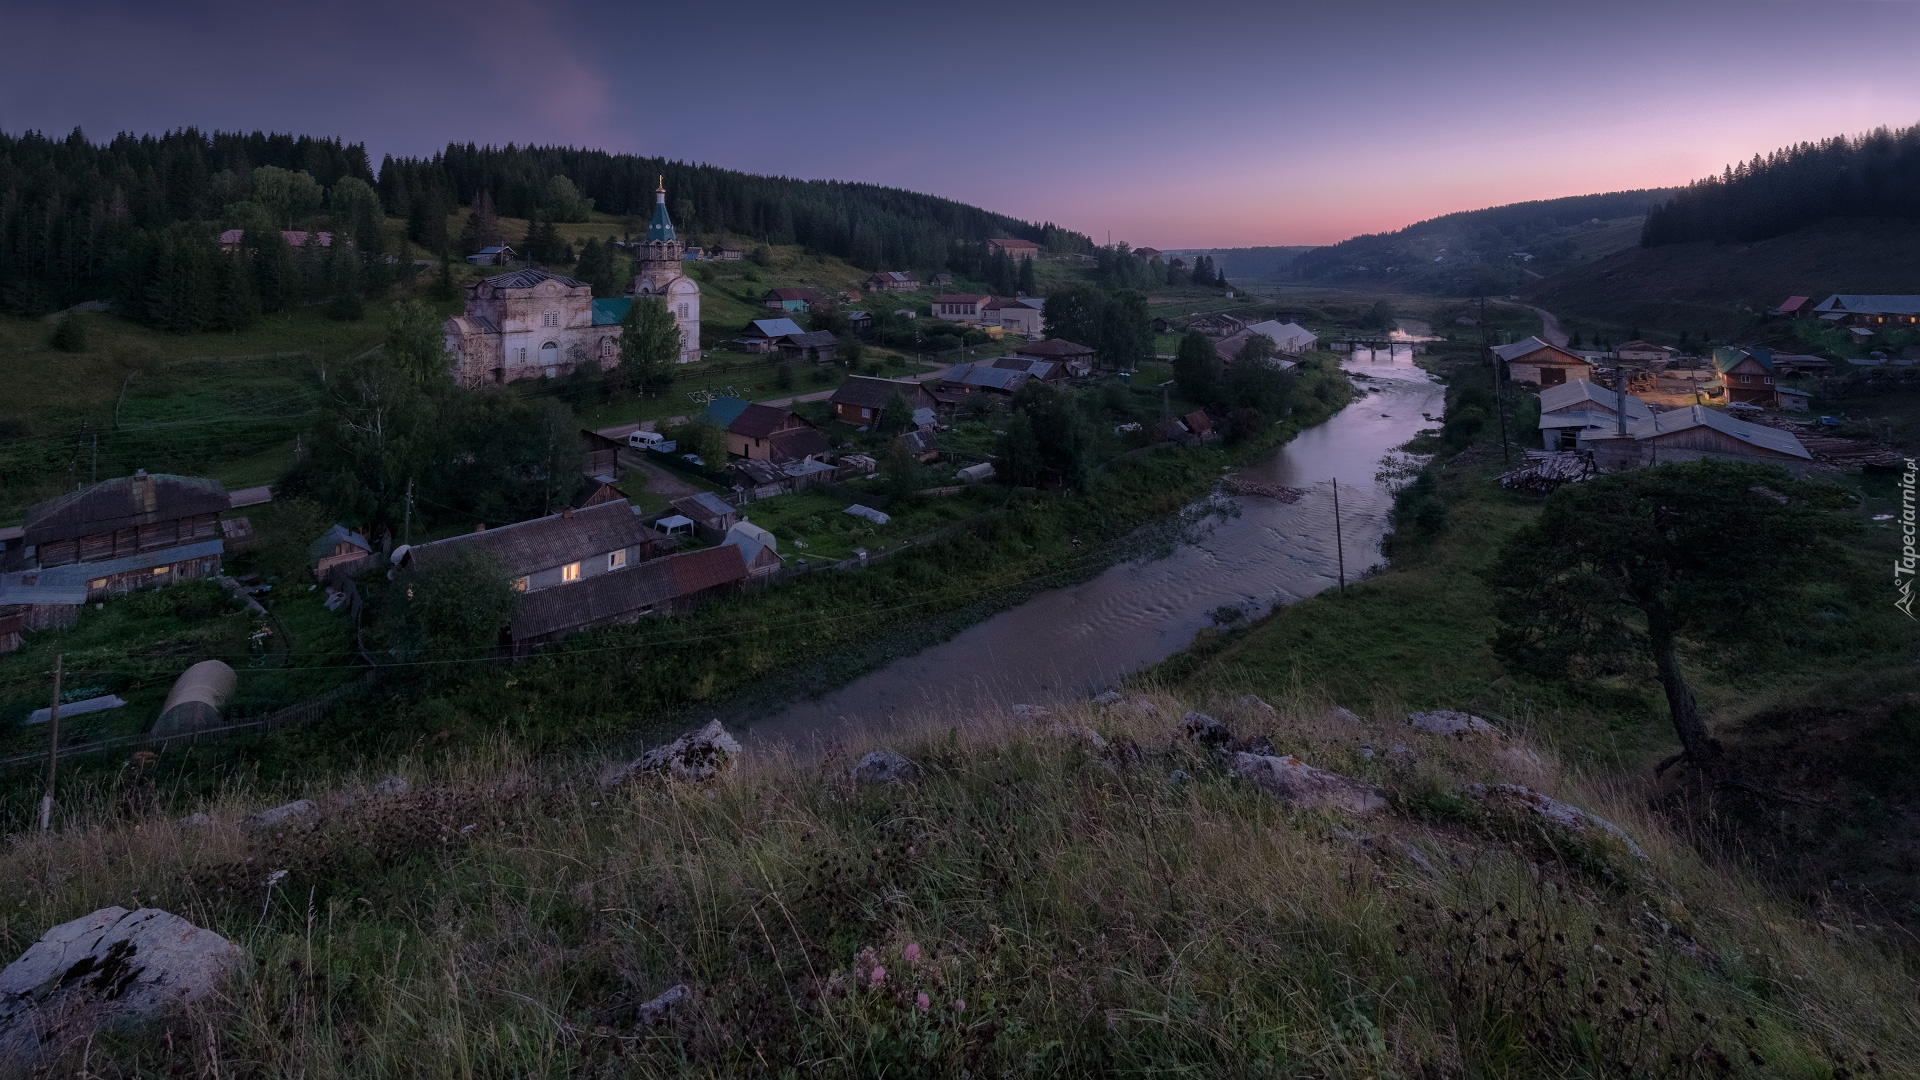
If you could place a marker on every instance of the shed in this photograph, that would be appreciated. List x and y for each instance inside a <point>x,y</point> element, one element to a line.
<point>758,549</point>
<point>817,345</point>
<point>1794,400</point>
<point>1534,361</point>
<point>711,515</point>
<point>339,548</point>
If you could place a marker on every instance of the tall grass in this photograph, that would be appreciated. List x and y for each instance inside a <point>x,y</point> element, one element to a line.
<point>1064,909</point>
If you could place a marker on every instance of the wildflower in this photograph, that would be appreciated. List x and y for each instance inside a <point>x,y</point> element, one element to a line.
<point>959,1005</point>
<point>923,1001</point>
<point>878,978</point>
<point>913,952</point>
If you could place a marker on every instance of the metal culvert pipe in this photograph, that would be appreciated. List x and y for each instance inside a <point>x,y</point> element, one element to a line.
<point>194,703</point>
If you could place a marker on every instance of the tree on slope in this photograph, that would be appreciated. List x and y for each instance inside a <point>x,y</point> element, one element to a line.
<point>1704,557</point>
<point>1196,368</point>
<point>649,346</point>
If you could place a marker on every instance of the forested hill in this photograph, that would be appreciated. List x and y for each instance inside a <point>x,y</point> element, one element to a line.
<point>1876,175</point>
<point>86,221</point>
<point>1495,249</point>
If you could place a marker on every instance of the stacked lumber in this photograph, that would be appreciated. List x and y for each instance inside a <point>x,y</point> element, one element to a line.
<point>1546,470</point>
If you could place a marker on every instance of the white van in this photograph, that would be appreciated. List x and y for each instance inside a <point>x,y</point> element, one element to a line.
<point>648,440</point>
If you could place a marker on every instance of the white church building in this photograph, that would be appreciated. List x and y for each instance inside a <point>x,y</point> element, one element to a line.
<point>530,323</point>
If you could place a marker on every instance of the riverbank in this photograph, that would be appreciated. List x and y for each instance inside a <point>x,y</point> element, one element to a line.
<point>628,684</point>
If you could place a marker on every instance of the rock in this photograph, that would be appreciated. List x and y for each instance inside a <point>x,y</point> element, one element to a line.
<point>1145,708</point>
<point>1448,722</point>
<point>1304,787</point>
<point>1338,715</point>
<point>886,767</point>
<point>392,785</point>
<point>1252,701</point>
<point>296,810</point>
<point>1257,744</point>
<point>1030,712</point>
<point>656,1010</point>
<point>1366,753</point>
<point>1395,847</point>
<point>1205,730</point>
<point>1083,734</point>
<point>1108,697</point>
<point>1565,815</point>
<point>697,755</point>
<point>108,968</point>
<point>1178,776</point>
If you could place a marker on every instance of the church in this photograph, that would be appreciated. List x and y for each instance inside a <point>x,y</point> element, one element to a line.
<point>529,324</point>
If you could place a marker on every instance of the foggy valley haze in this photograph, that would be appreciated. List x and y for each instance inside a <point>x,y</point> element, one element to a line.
<point>1206,125</point>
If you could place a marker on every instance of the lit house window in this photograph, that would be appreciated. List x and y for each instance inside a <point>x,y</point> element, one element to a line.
<point>520,585</point>
<point>570,572</point>
<point>616,559</point>
<point>97,583</point>
<point>158,570</point>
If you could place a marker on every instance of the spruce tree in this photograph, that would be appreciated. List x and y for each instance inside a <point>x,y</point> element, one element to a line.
<point>1027,284</point>
<point>483,225</point>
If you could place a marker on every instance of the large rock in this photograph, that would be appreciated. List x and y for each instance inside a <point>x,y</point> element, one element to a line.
<point>886,767</point>
<point>1565,815</point>
<point>1205,730</point>
<point>1304,787</point>
<point>110,967</point>
<point>663,1006</point>
<point>697,755</point>
<point>1448,722</point>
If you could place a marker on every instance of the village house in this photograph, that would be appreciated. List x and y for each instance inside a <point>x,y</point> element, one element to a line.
<point>1289,338</point>
<point>728,252</point>
<point>1534,361</point>
<point>1795,307</point>
<point>27,605</point>
<point>813,345</point>
<point>859,400</point>
<point>942,280</point>
<point>547,552</point>
<point>1694,433</point>
<point>891,281</point>
<point>1075,359</point>
<point>859,321</point>
<point>1869,311</point>
<point>1643,352</point>
<point>1568,409</point>
<point>765,335</point>
<point>765,433</point>
<point>495,255</point>
<point>342,549</point>
<point>1023,315</point>
<point>670,584</point>
<point>960,307</point>
<point>967,378</point>
<point>532,324</point>
<point>231,239</point>
<point>1747,375</point>
<point>1018,249</point>
<point>710,514</point>
<point>132,532</point>
<point>1801,364</point>
<point>1042,370</point>
<point>594,490</point>
<point>1794,400</point>
<point>1215,325</point>
<point>791,299</point>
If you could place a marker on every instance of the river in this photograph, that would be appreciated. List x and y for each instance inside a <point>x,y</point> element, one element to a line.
<point>1259,553</point>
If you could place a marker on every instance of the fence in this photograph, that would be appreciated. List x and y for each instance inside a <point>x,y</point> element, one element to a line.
<point>300,715</point>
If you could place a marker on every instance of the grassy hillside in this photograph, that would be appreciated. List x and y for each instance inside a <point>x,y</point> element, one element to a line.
<point>1720,290</point>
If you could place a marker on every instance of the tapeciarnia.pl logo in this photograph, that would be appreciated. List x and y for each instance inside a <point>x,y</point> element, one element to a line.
<point>1904,566</point>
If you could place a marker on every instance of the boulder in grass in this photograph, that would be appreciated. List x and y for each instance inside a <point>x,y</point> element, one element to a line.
<point>1254,702</point>
<point>1566,815</point>
<point>110,968</point>
<point>1107,697</point>
<point>697,755</point>
<point>287,814</point>
<point>1338,715</point>
<point>886,767</point>
<point>1205,730</point>
<point>1448,722</point>
<point>392,785</point>
<point>661,1007</point>
<point>1304,787</point>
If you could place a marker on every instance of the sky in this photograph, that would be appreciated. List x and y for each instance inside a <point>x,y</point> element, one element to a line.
<point>1186,125</point>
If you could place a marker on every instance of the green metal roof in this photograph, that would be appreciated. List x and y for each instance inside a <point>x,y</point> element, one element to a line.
<point>1725,360</point>
<point>723,411</point>
<point>661,227</point>
<point>610,312</point>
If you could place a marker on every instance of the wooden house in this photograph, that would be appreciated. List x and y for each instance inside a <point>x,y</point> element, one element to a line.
<point>1747,375</point>
<point>891,281</point>
<point>793,299</point>
<point>1694,433</point>
<point>1569,409</point>
<point>497,255</point>
<point>960,307</point>
<point>1869,311</point>
<point>765,335</point>
<point>966,379</point>
<point>342,549</point>
<point>128,533</point>
<point>1016,248</point>
<point>1075,359</point>
<point>815,346</point>
<point>860,400</point>
<point>860,321</point>
<point>1643,352</point>
<point>663,586</point>
<point>1795,307</point>
<point>1534,361</point>
<point>750,434</point>
<point>547,552</point>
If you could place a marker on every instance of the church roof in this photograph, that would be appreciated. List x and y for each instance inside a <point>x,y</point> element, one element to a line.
<point>661,227</point>
<point>527,279</point>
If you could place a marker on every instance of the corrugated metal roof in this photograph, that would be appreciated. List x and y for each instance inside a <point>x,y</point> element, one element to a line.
<point>987,376</point>
<point>1579,393</point>
<point>124,502</point>
<point>1725,359</point>
<point>621,592</point>
<point>703,504</point>
<point>527,279</point>
<point>1528,345</point>
<point>812,339</point>
<point>81,573</point>
<point>772,328</point>
<point>1870,304</point>
<point>13,590</point>
<point>333,538</point>
<point>1692,416</point>
<point>555,540</point>
<point>723,411</point>
<point>1054,349</point>
<point>609,312</point>
<point>758,421</point>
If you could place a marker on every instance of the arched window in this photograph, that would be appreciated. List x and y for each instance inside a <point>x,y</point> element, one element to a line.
<point>550,355</point>
<point>683,311</point>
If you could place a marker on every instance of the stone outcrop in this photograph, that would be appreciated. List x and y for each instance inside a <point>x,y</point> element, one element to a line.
<point>1448,722</point>
<point>1565,815</point>
<point>886,767</point>
<point>697,755</point>
<point>108,968</point>
<point>1304,787</point>
<point>287,814</point>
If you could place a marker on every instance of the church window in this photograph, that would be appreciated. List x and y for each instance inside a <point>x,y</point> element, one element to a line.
<point>551,318</point>
<point>683,311</point>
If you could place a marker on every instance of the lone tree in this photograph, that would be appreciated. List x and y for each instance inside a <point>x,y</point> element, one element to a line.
<point>1636,565</point>
<point>649,346</point>
<point>452,611</point>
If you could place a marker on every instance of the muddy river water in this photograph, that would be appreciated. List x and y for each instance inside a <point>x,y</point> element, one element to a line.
<point>1080,639</point>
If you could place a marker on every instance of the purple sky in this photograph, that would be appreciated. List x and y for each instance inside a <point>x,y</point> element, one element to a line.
<point>1217,124</point>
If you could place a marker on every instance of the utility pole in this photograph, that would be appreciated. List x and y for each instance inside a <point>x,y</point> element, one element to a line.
<point>53,746</point>
<point>406,529</point>
<point>1339,544</point>
<point>1620,394</point>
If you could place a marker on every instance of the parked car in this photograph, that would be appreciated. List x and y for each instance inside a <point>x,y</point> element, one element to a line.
<point>649,440</point>
<point>695,459</point>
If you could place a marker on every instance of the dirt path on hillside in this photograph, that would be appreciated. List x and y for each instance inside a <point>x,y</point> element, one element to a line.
<point>1550,331</point>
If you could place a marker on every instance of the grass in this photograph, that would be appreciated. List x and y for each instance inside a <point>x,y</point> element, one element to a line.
<point>1059,908</point>
<point>812,526</point>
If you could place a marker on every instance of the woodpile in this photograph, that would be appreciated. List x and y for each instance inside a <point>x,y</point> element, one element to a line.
<point>1546,470</point>
<point>1240,485</point>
